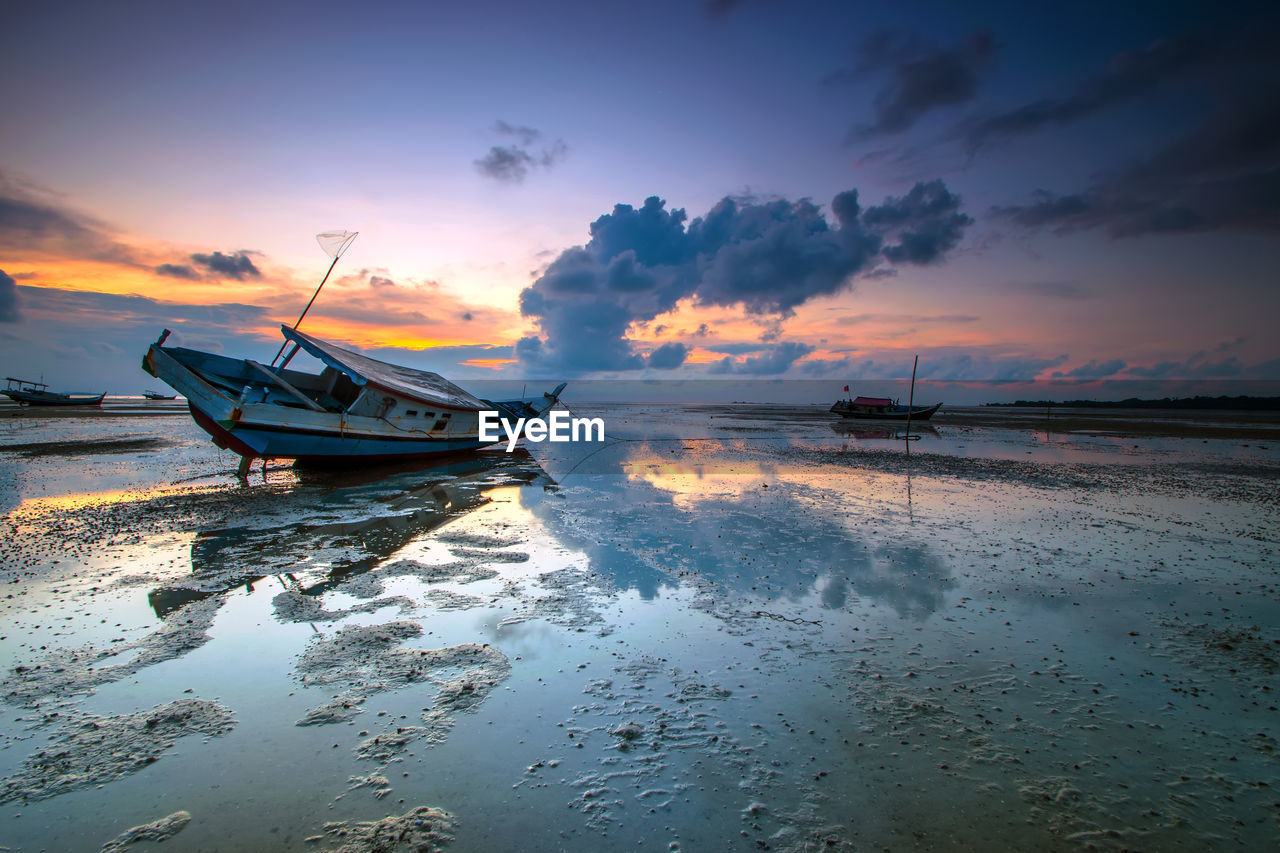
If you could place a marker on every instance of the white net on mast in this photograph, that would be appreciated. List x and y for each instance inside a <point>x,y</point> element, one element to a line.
<point>334,243</point>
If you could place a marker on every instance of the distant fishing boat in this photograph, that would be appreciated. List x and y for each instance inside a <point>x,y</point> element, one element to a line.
<point>156,395</point>
<point>882,409</point>
<point>885,409</point>
<point>28,393</point>
<point>356,408</point>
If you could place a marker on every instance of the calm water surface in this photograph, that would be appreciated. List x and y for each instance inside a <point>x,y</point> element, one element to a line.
<point>727,627</point>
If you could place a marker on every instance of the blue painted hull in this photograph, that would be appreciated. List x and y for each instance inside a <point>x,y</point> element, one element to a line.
<point>888,413</point>
<point>326,448</point>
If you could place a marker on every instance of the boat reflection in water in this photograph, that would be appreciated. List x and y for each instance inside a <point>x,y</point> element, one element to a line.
<point>881,429</point>
<point>340,523</point>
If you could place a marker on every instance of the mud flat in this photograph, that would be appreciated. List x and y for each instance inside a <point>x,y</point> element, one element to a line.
<point>1182,423</point>
<point>112,407</point>
<point>730,628</point>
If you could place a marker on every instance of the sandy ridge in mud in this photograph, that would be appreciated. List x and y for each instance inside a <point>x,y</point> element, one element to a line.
<point>363,660</point>
<point>89,750</point>
<point>293,605</point>
<point>421,830</point>
<point>158,830</point>
<point>65,673</point>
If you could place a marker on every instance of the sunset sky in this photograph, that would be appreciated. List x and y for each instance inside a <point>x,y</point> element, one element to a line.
<point>733,188</point>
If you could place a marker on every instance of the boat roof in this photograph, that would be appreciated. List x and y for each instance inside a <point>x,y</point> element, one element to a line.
<point>872,401</point>
<point>416,384</point>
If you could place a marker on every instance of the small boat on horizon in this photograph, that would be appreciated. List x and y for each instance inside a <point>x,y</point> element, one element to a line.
<point>885,409</point>
<point>156,395</point>
<point>26,392</point>
<point>356,409</point>
<point>882,409</point>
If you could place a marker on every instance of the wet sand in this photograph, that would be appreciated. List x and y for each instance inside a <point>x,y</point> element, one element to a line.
<point>111,407</point>
<point>1184,423</point>
<point>731,627</point>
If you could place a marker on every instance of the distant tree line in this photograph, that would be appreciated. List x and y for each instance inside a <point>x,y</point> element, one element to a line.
<point>1252,404</point>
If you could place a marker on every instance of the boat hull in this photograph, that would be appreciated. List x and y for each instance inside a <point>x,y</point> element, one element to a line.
<point>48,398</point>
<point>892,413</point>
<point>326,447</point>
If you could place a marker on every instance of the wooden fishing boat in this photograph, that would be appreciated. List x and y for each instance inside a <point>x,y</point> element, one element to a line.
<point>157,395</point>
<point>356,409</point>
<point>885,409</point>
<point>882,409</point>
<point>25,392</point>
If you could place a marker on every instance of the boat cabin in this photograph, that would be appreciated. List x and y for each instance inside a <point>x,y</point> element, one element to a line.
<point>25,385</point>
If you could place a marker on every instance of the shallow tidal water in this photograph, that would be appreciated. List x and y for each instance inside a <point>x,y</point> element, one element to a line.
<point>726,628</point>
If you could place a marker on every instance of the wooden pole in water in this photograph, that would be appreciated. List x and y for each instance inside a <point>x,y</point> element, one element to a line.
<point>911,398</point>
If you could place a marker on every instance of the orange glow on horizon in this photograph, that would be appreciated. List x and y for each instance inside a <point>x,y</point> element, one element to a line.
<point>280,300</point>
<point>101,277</point>
<point>698,355</point>
<point>489,363</point>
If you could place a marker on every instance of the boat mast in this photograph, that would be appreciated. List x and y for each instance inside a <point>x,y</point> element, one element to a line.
<point>334,243</point>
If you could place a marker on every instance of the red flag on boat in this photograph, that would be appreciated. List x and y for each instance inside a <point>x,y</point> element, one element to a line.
<point>846,387</point>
